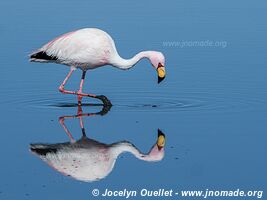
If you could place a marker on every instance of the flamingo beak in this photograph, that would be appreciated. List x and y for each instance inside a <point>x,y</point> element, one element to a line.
<point>161,72</point>
<point>161,139</point>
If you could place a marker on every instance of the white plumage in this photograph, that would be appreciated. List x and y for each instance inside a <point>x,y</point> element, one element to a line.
<point>90,48</point>
<point>89,160</point>
<point>86,48</point>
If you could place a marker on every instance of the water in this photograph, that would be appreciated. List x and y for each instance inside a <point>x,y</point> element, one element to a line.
<point>212,106</point>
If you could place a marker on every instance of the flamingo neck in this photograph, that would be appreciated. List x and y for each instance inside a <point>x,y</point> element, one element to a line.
<point>122,147</point>
<point>122,63</point>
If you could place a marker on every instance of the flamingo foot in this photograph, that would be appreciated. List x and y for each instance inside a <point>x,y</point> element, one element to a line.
<point>105,100</point>
<point>105,110</point>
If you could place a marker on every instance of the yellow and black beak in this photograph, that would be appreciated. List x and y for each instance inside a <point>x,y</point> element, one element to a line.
<point>161,72</point>
<point>161,139</point>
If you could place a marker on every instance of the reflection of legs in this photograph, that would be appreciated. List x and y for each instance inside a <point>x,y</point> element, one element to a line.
<point>82,126</point>
<point>79,115</point>
<point>61,121</point>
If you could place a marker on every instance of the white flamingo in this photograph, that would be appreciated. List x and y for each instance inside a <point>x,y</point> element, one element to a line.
<point>90,48</point>
<point>89,160</point>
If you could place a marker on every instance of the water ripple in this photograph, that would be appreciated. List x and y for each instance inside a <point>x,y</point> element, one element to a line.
<point>141,101</point>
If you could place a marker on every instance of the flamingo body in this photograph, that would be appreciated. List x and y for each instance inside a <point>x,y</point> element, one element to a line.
<point>86,48</point>
<point>88,160</point>
<point>90,48</point>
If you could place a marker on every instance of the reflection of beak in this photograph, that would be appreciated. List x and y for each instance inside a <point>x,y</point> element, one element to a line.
<point>161,73</point>
<point>161,139</point>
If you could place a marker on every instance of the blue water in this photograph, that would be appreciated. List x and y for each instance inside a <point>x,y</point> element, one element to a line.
<point>212,106</point>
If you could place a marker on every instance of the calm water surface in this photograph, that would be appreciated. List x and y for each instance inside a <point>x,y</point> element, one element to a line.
<point>212,106</point>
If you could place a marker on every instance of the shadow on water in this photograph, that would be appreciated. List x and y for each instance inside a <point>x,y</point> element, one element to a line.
<point>87,159</point>
<point>72,105</point>
<point>105,108</point>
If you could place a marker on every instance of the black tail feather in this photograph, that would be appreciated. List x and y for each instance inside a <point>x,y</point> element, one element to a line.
<point>43,150</point>
<point>42,55</point>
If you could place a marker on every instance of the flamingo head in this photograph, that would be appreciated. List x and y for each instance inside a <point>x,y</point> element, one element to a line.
<point>158,62</point>
<point>157,151</point>
<point>161,140</point>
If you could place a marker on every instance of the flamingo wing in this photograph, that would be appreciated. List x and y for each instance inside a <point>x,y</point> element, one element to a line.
<point>84,47</point>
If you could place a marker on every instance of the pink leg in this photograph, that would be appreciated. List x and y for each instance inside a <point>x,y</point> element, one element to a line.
<point>80,111</point>
<point>79,115</point>
<point>61,121</point>
<point>82,126</point>
<point>79,92</point>
<point>61,87</point>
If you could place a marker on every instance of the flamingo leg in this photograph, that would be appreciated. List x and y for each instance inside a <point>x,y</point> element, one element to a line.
<point>82,126</point>
<point>61,121</point>
<point>79,93</point>
<point>61,87</point>
<point>80,116</point>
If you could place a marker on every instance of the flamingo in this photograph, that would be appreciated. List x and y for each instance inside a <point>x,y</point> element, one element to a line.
<point>90,48</point>
<point>87,159</point>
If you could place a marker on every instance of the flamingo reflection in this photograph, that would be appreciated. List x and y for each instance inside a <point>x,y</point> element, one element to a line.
<point>87,159</point>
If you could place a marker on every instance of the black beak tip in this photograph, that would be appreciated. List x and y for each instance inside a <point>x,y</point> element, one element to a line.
<point>160,79</point>
<point>160,133</point>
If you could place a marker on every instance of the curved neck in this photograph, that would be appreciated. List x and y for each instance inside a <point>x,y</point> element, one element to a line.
<point>122,147</point>
<point>122,63</point>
